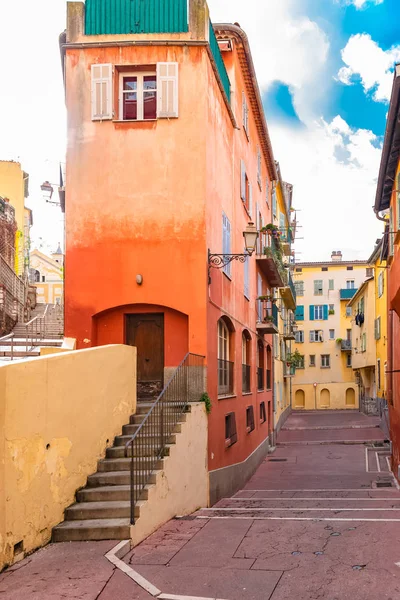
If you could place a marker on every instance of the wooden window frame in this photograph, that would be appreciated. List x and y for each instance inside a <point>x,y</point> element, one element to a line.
<point>140,75</point>
<point>250,424</point>
<point>230,430</point>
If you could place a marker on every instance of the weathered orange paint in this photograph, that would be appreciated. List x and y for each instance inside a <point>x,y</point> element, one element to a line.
<point>147,199</point>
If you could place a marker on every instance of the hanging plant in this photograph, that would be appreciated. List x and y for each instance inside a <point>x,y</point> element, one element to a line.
<point>294,358</point>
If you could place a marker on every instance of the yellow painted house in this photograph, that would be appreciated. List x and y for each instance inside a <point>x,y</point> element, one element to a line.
<point>46,273</point>
<point>369,332</point>
<point>325,379</point>
<point>14,186</point>
<point>285,300</point>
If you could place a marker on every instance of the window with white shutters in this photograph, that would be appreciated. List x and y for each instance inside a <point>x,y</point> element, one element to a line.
<point>274,207</point>
<point>102,92</point>
<point>378,328</point>
<point>380,284</point>
<point>226,241</point>
<point>245,115</point>
<point>250,203</point>
<point>167,90</point>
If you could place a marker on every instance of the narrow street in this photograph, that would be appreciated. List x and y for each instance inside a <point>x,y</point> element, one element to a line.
<point>318,520</point>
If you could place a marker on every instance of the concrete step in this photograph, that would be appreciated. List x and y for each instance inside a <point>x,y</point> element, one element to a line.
<point>93,529</point>
<point>19,353</point>
<point>118,451</point>
<point>118,478</point>
<point>109,493</point>
<point>99,510</point>
<point>108,465</point>
<point>22,342</point>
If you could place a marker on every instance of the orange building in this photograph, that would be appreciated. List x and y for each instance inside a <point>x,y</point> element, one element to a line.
<point>168,160</point>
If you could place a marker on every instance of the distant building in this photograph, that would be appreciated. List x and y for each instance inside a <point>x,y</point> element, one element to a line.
<point>14,185</point>
<point>324,376</point>
<point>46,274</point>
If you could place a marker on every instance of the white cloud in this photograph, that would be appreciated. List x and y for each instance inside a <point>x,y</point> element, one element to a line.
<point>291,49</point>
<point>365,59</point>
<point>333,169</point>
<point>364,3</point>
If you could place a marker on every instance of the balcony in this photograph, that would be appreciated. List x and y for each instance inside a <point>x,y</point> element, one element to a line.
<point>288,333</point>
<point>288,371</point>
<point>288,293</point>
<point>269,314</point>
<point>286,237</point>
<point>346,345</point>
<point>347,294</point>
<point>270,262</point>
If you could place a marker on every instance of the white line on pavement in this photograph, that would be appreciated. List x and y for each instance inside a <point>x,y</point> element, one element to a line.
<point>393,499</point>
<point>300,508</point>
<point>361,489</point>
<point>377,462</point>
<point>137,578</point>
<point>174,597</point>
<point>304,519</point>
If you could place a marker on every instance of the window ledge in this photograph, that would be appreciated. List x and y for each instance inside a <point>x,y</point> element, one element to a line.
<point>226,397</point>
<point>247,393</point>
<point>135,120</point>
<point>325,367</point>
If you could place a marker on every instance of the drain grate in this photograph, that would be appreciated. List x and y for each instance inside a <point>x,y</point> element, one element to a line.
<point>277,459</point>
<point>384,484</point>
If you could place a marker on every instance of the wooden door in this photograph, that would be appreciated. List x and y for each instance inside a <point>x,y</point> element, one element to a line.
<point>146,332</point>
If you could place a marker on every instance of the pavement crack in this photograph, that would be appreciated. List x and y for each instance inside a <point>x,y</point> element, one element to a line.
<point>106,584</point>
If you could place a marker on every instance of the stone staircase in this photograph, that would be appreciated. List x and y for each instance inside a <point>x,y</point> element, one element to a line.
<point>102,508</point>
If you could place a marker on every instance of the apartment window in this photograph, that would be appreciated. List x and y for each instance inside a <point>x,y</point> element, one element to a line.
<point>43,278</point>
<point>378,328</point>
<point>324,268</point>
<point>316,335</point>
<point>331,309</point>
<point>299,314</point>
<point>325,361</point>
<point>348,360</point>
<point>230,430</point>
<point>245,115</point>
<point>381,283</point>
<point>274,205</point>
<point>349,268</point>
<point>250,419</point>
<point>331,285</point>
<point>246,190</point>
<point>350,284</point>
<point>318,287</point>
<point>246,358</point>
<point>361,305</point>
<point>246,277</point>
<point>263,413</point>
<point>226,241</point>
<point>267,190</point>
<point>319,312</point>
<point>364,342</point>
<point>225,367</point>
<point>331,334</point>
<point>299,270</point>
<point>378,373</point>
<point>391,235</point>
<point>138,96</point>
<point>300,363</point>
<point>348,311</point>
<point>299,287</point>
<point>259,166</point>
<point>299,335</point>
<point>312,360</point>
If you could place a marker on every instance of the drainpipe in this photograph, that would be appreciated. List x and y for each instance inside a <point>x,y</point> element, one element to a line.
<point>389,380</point>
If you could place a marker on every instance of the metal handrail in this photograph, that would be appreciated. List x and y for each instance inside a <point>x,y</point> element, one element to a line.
<point>149,442</point>
<point>41,320</point>
<point>10,336</point>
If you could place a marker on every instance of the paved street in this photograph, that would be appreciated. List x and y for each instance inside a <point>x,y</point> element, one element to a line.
<point>318,521</point>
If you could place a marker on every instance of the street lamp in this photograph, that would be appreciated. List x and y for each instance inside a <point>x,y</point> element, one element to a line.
<point>48,189</point>
<point>219,261</point>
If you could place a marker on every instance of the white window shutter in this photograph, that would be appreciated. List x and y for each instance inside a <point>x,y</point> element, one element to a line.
<point>167,90</point>
<point>102,92</point>
<point>242,181</point>
<point>250,199</point>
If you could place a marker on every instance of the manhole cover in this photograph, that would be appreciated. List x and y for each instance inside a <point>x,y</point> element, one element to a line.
<point>277,459</point>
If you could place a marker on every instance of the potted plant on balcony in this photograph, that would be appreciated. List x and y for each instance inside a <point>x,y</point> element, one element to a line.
<point>339,340</point>
<point>331,312</point>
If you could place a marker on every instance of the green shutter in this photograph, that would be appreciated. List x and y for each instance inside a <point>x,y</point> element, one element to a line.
<point>312,312</point>
<point>299,315</point>
<point>325,312</point>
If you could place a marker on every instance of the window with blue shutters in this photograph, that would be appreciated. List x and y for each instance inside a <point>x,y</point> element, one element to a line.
<point>319,312</point>
<point>299,314</point>
<point>325,312</point>
<point>312,313</point>
<point>226,241</point>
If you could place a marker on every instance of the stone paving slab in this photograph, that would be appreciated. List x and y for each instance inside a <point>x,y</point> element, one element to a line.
<point>329,418</point>
<point>333,435</point>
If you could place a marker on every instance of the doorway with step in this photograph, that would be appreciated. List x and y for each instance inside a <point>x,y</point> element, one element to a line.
<point>146,332</point>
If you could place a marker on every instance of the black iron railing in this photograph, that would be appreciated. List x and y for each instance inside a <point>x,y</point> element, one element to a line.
<point>149,443</point>
<point>225,377</point>
<point>246,369</point>
<point>260,378</point>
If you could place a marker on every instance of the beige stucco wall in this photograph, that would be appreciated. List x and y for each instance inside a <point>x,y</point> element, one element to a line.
<point>337,399</point>
<point>183,485</point>
<point>57,415</point>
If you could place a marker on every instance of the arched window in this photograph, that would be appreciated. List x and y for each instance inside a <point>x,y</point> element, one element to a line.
<point>269,368</point>
<point>246,360</point>
<point>37,276</point>
<point>225,354</point>
<point>260,366</point>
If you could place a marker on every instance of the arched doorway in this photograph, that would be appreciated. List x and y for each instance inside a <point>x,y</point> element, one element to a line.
<point>350,397</point>
<point>325,398</point>
<point>299,399</point>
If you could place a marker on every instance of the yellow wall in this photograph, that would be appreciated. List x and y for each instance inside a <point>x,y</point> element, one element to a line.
<point>12,187</point>
<point>57,415</point>
<point>183,485</point>
<point>339,377</point>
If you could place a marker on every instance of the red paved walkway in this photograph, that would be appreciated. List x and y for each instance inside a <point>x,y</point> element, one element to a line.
<point>311,524</point>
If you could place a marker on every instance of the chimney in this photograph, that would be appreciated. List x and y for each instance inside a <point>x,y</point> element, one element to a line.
<point>336,256</point>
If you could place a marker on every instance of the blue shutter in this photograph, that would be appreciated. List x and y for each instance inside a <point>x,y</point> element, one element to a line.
<point>312,312</point>
<point>299,315</point>
<point>325,312</point>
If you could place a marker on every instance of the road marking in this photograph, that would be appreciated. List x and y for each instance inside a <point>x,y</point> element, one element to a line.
<point>393,499</point>
<point>301,508</point>
<point>137,578</point>
<point>366,460</point>
<point>377,462</point>
<point>360,489</point>
<point>305,519</point>
<point>174,597</point>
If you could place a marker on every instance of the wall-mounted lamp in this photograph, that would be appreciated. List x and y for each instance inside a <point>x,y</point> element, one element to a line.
<point>47,190</point>
<point>219,261</point>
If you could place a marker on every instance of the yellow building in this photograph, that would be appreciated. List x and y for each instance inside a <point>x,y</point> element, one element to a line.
<point>369,332</point>
<point>285,300</point>
<point>46,273</point>
<point>324,379</point>
<point>14,186</point>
